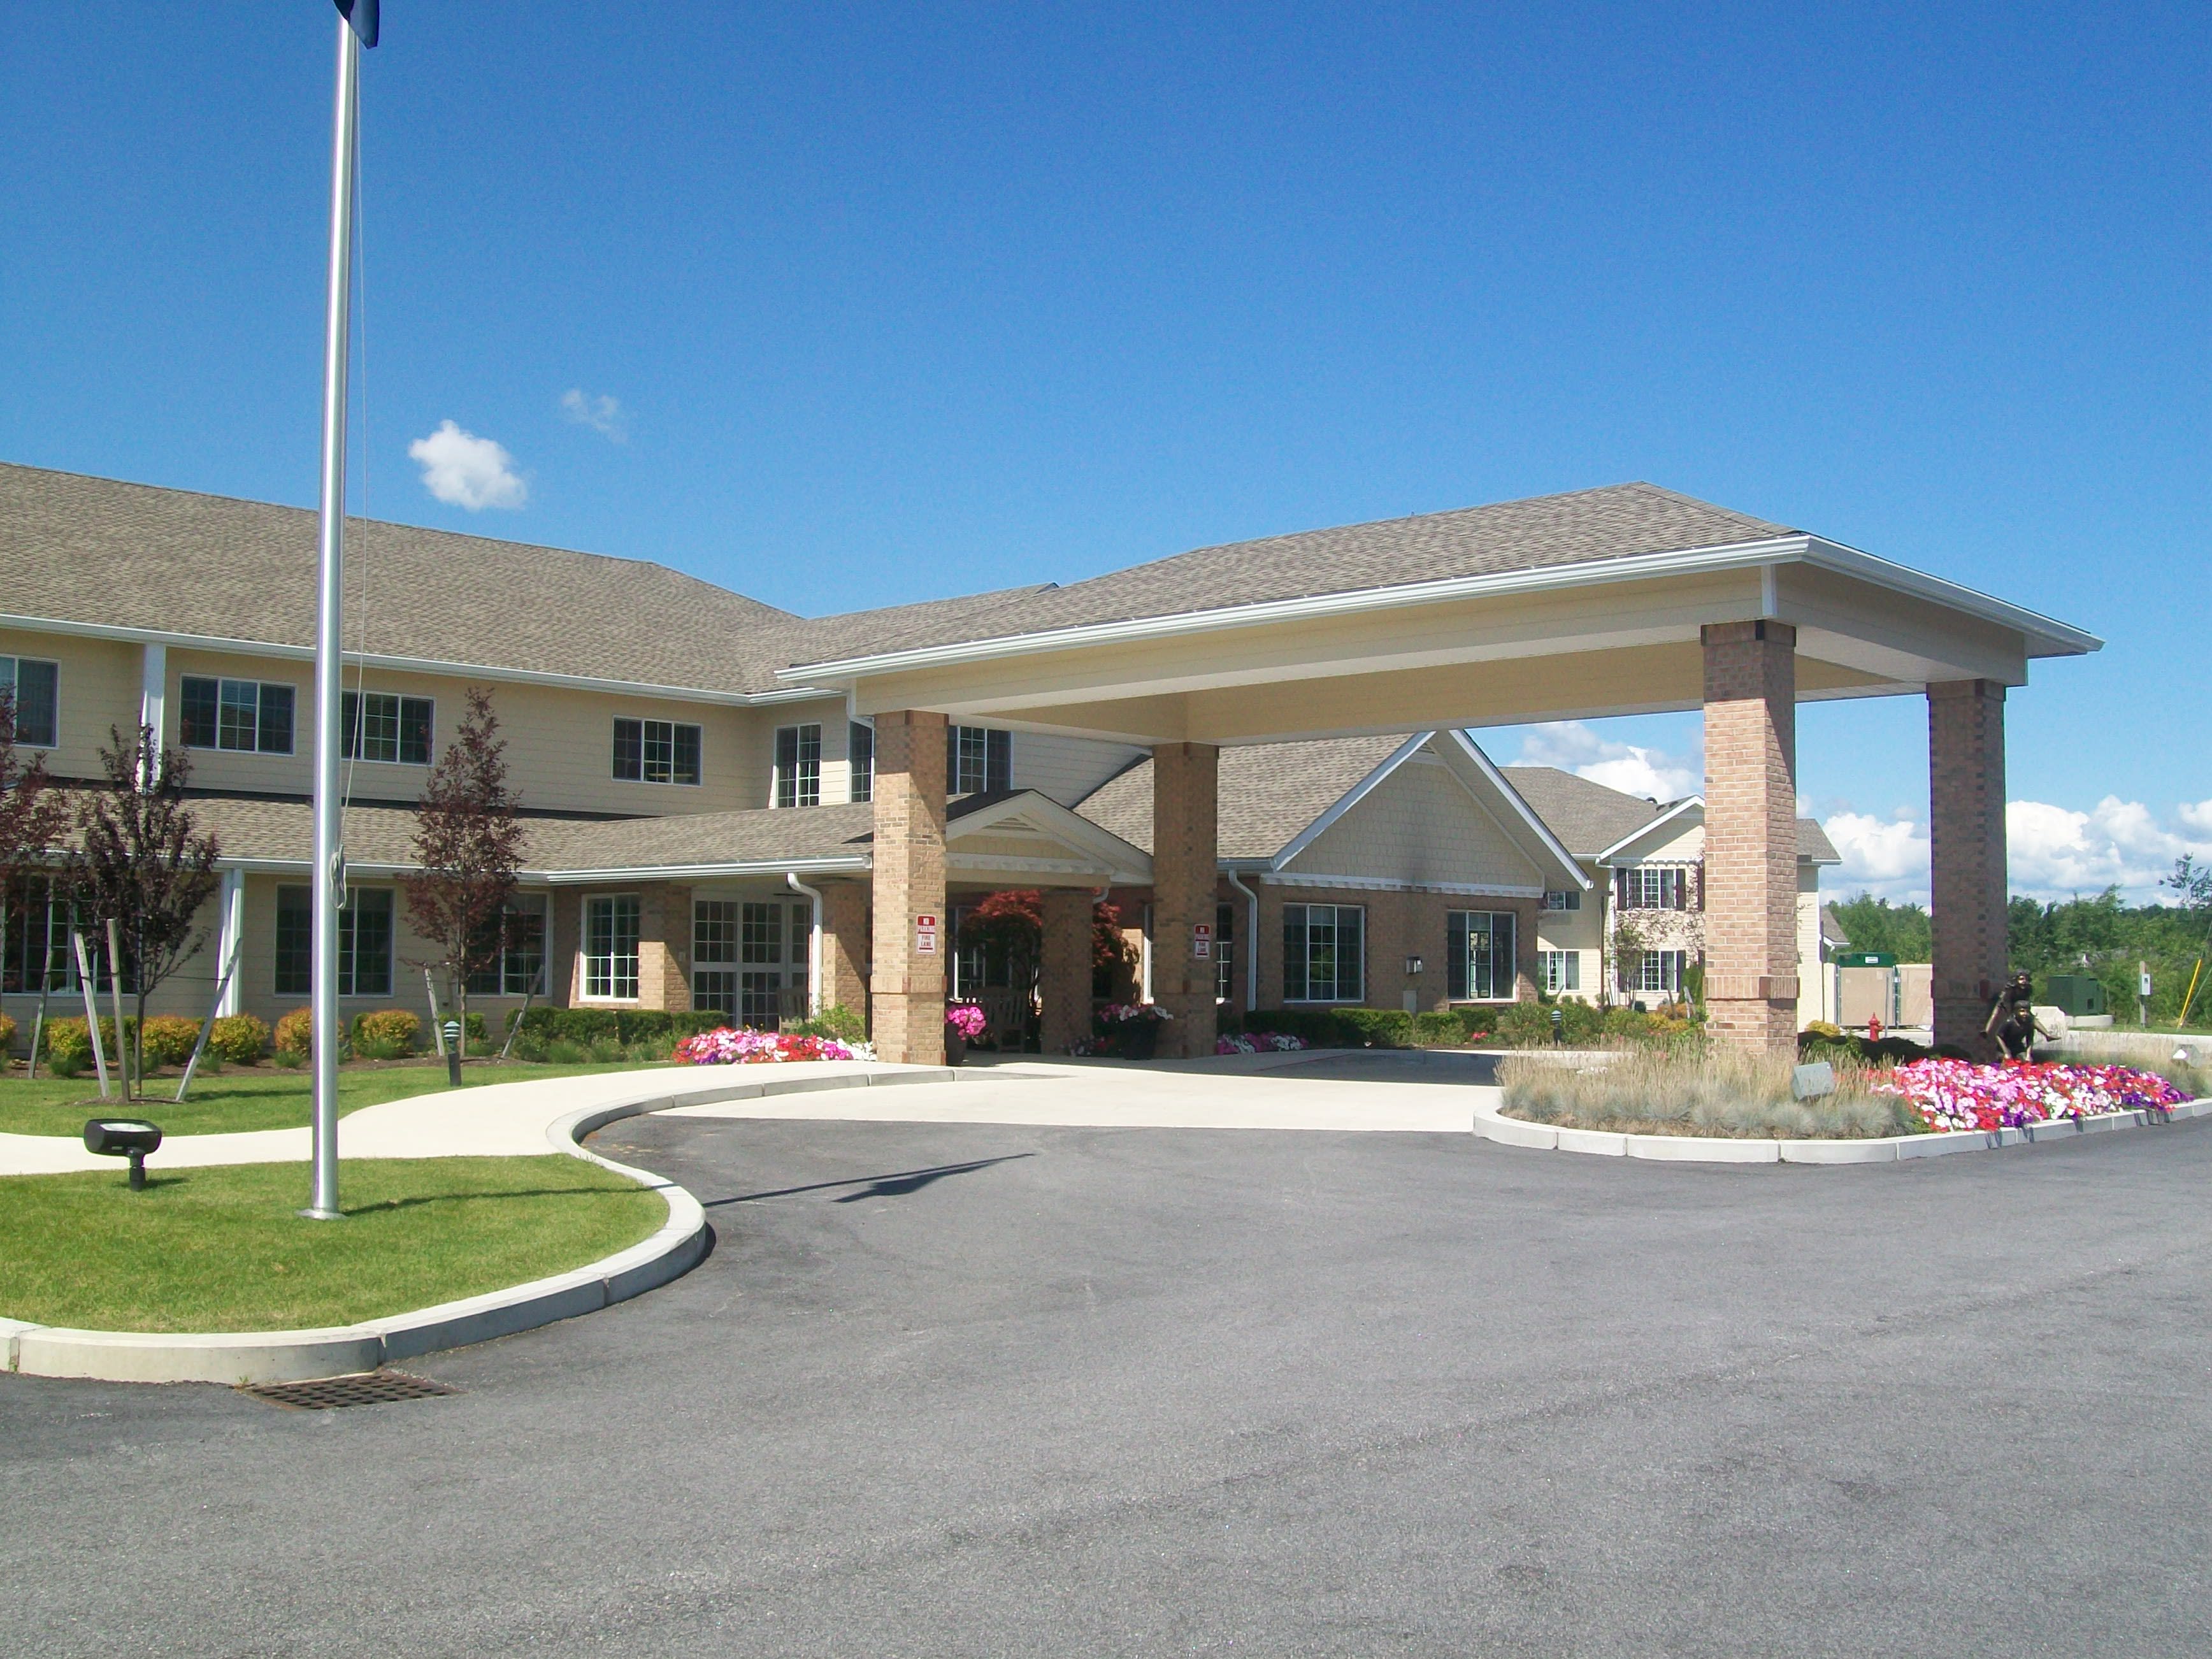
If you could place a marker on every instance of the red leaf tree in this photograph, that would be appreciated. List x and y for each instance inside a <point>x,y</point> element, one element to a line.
<point>468,845</point>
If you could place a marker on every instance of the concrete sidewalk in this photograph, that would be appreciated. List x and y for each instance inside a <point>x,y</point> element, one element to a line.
<point>1404,1093</point>
<point>501,1120</point>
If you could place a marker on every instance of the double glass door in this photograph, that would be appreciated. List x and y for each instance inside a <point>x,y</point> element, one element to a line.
<point>745,953</point>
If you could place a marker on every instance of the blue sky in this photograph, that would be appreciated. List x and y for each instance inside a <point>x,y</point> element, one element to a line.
<point>859,305</point>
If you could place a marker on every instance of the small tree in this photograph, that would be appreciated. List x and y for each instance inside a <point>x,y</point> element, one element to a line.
<point>34,815</point>
<point>1629,944</point>
<point>2194,885</point>
<point>468,845</point>
<point>144,864</point>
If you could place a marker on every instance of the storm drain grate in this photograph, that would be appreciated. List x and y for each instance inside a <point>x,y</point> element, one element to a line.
<point>332,1393</point>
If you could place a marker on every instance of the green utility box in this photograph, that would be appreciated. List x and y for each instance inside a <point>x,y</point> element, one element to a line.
<point>2075,994</point>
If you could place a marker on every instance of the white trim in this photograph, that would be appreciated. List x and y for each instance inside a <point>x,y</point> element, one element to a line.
<point>1043,816</point>
<point>1504,786</point>
<point>225,645</point>
<point>405,697</point>
<point>1667,816</point>
<point>1393,884</point>
<point>18,660</point>
<point>1700,561</point>
<point>1350,799</point>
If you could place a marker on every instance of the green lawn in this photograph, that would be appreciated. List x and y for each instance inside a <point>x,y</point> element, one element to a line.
<point>220,1249</point>
<point>262,1097</point>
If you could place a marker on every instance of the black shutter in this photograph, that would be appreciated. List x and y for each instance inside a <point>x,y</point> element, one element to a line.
<point>999,760</point>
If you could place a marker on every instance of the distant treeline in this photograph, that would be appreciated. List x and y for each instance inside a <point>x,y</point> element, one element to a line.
<point>2100,936</point>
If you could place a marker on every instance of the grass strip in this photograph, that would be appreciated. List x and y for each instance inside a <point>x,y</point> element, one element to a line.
<point>237,1099</point>
<point>221,1248</point>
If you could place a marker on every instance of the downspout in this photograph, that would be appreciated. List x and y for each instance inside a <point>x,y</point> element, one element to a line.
<point>1252,943</point>
<point>813,943</point>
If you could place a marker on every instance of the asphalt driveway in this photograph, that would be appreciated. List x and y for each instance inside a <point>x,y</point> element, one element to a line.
<point>958,1389</point>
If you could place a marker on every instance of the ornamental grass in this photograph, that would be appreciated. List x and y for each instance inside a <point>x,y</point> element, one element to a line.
<point>1685,1090</point>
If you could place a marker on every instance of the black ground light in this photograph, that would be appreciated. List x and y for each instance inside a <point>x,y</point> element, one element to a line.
<point>124,1137</point>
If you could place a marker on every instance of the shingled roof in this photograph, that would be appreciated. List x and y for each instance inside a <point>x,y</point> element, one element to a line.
<point>1618,521</point>
<point>1591,816</point>
<point>1268,793</point>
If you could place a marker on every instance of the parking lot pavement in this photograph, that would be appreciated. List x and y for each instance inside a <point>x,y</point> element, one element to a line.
<point>958,1389</point>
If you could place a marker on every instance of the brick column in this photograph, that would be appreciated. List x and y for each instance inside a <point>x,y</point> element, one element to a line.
<point>1064,974</point>
<point>908,988</point>
<point>845,945</point>
<point>1751,833</point>
<point>1185,784</point>
<point>1966,856</point>
<point>664,949</point>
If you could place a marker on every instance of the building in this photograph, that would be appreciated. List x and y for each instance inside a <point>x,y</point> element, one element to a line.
<point>736,808</point>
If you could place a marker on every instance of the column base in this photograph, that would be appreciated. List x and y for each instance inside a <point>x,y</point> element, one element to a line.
<point>1959,1021</point>
<point>909,1027</point>
<point>1189,1032</point>
<point>1754,1024</point>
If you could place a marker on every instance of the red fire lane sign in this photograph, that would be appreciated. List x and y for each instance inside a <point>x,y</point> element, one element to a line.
<point>925,936</point>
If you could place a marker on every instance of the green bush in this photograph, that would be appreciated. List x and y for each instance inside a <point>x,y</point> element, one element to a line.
<point>386,1033</point>
<point>1376,1028</point>
<point>619,1025</point>
<point>836,1021</point>
<point>295,1038</point>
<point>169,1039</point>
<point>239,1039</point>
<point>7,1033</point>
<point>69,1049</point>
<point>1439,1028</point>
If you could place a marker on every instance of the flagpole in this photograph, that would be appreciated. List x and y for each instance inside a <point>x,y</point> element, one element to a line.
<point>328,886</point>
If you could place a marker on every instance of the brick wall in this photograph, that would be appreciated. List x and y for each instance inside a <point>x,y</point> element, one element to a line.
<point>845,945</point>
<point>1064,973</point>
<point>1751,832</point>
<point>908,988</point>
<point>1185,785</point>
<point>1966,856</point>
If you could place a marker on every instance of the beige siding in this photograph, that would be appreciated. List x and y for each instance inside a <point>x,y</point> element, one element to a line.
<point>830,714</point>
<point>560,743</point>
<point>98,688</point>
<point>1067,769</point>
<point>1419,825</point>
<point>1579,931</point>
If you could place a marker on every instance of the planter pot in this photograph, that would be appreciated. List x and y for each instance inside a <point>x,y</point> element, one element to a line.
<point>1138,1040</point>
<point>955,1046</point>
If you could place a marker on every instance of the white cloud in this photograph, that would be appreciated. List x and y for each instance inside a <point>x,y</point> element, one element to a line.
<point>1631,768</point>
<point>602,413</point>
<point>2054,851</point>
<point>466,470</point>
<point>1886,857</point>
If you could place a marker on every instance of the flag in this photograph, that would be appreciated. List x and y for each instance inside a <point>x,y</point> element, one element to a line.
<point>361,14</point>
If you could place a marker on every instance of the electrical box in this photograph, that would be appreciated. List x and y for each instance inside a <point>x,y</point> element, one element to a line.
<point>2075,994</point>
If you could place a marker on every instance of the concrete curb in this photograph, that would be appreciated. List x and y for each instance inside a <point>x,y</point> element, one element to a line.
<point>1490,1123</point>
<point>296,1356</point>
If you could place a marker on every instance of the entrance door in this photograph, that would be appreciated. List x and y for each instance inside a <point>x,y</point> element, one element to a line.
<point>745,952</point>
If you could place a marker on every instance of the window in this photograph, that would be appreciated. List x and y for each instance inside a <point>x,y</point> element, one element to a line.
<point>1650,887</point>
<point>1562,970</point>
<point>36,688</point>
<point>977,759</point>
<point>1324,953</point>
<point>1480,961</point>
<point>799,766</point>
<point>364,942</point>
<point>656,751</point>
<point>1660,971</point>
<point>244,715</point>
<point>34,946</point>
<point>382,726</point>
<point>860,745</point>
<point>521,969</point>
<point>1224,953</point>
<point>745,954</point>
<point>611,948</point>
<point>1569,898</point>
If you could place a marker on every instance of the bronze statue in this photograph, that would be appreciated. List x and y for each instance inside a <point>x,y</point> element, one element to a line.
<point>2012,1020</point>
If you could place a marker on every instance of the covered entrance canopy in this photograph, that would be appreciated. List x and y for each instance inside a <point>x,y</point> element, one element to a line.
<point>1630,599</point>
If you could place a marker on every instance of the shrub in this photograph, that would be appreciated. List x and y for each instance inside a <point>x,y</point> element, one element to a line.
<point>7,1033</point>
<point>239,1039</point>
<point>169,1039</point>
<point>295,1038</point>
<point>386,1033</point>
<point>1440,1029</point>
<point>836,1021</point>
<point>1376,1028</point>
<point>69,1049</point>
<point>1722,1091</point>
<point>1824,1029</point>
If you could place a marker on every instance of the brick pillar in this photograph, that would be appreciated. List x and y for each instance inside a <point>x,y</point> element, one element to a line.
<point>1966,856</point>
<point>845,945</point>
<point>1751,833</point>
<point>1186,782</point>
<point>664,949</point>
<point>1064,974</point>
<point>908,988</point>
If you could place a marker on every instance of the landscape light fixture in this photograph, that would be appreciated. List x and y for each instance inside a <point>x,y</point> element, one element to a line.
<point>124,1137</point>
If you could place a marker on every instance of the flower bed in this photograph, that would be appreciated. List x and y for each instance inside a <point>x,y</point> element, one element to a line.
<point>1258,1042</point>
<point>742,1045</point>
<point>1957,1094</point>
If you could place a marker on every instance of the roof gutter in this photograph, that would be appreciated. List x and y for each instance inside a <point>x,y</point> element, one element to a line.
<point>1736,556</point>
<point>223,645</point>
